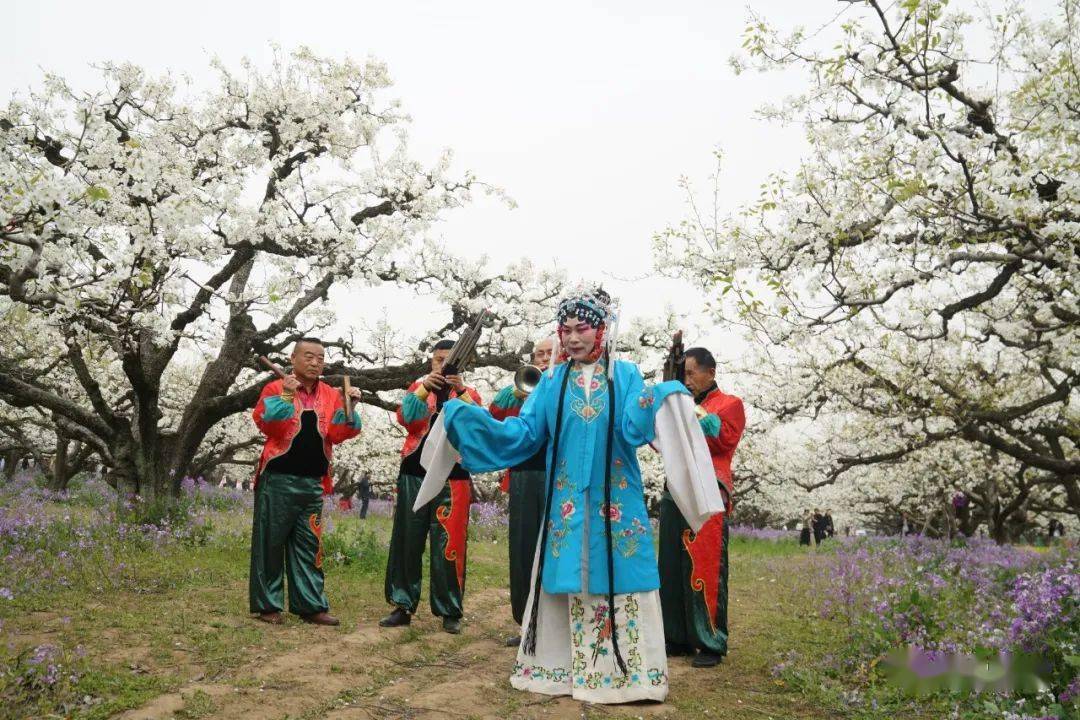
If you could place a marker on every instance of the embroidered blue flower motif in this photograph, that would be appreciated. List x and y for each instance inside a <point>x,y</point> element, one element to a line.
<point>657,676</point>
<point>646,400</point>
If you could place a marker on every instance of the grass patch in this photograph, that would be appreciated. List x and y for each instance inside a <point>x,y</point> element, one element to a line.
<point>132,618</point>
<point>755,548</point>
<point>177,611</point>
<point>197,705</point>
<point>103,692</point>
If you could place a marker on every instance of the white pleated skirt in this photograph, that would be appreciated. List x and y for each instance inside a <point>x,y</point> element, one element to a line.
<point>574,654</point>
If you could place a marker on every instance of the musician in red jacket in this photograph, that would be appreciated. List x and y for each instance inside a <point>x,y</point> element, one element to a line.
<point>302,419</point>
<point>694,568</point>
<point>444,521</point>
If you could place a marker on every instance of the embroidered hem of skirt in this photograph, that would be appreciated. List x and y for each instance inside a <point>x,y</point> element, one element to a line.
<point>574,654</point>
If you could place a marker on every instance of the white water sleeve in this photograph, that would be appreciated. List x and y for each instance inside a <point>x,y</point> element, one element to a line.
<point>691,479</point>
<point>438,458</point>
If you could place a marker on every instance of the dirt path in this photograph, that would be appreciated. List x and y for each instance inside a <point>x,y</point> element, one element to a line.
<point>421,672</point>
<point>338,669</point>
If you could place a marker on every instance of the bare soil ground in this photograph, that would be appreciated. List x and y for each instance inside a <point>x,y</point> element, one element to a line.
<point>363,671</point>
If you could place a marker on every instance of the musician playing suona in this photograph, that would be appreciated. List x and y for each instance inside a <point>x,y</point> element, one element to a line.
<point>444,521</point>
<point>526,489</point>
<point>596,551</point>
<point>694,566</point>
<point>302,419</point>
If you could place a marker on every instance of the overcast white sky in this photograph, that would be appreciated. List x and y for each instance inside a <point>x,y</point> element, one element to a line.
<point>585,113</point>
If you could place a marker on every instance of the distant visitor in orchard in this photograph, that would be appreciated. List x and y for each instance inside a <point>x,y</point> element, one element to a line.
<point>302,418</point>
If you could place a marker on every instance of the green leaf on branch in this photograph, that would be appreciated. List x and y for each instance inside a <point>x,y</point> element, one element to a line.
<point>910,6</point>
<point>96,193</point>
<point>910,189</point>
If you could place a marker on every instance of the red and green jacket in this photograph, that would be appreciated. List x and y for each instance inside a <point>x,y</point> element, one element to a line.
<point>415,414</point>
<point>723,441</point>
<point>506,404</point>
<point>279,420</point>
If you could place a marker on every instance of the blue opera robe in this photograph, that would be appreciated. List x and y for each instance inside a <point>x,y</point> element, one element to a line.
<point>486,444</point>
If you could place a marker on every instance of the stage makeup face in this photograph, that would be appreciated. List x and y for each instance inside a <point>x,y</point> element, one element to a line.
<point>578,338</point>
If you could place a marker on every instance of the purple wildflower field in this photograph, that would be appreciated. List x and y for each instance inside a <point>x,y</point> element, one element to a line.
<point>84,538</point>
<point>943,599</point>
<point>51,540</point>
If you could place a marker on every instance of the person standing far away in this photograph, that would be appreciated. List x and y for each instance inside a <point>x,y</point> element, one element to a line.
<point>806,535</point>
<point>365,493</point>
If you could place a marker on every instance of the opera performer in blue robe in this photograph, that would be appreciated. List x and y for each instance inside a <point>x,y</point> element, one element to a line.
<point>595,550</point>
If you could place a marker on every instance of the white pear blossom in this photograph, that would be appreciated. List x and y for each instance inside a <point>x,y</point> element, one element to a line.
<point>909,291</point>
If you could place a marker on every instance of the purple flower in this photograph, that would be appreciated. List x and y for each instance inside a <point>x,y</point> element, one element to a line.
<point>488,515</point>
<point>41,654</point>
<point>751,533</point>
<point>1044,601</point>
<point>1071,691</point>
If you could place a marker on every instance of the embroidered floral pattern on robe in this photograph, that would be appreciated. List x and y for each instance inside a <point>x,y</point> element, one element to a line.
<point>539,672</point>
<point>557,534</point>
<point>588,406</point>
<point>625,540</point>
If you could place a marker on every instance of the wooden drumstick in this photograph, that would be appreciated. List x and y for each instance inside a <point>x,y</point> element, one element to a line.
<point>272,367</point>
<point>346,385</point>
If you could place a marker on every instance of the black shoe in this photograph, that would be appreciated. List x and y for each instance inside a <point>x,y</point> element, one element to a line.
<point>452,625</point>
<point>513,641</point>
<point>397,618</point>
<point>706,659</point>
<point>677,649</point>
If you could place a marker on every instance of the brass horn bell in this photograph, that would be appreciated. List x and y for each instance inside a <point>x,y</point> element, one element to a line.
<point>527,378</point>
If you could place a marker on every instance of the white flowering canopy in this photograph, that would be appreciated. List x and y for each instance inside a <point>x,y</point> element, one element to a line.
<point>910,290</point>
<point>153,241</point>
